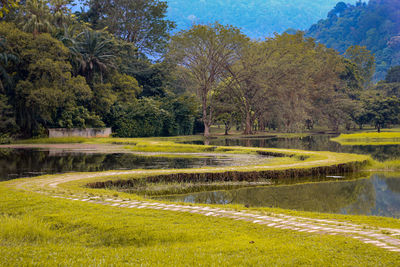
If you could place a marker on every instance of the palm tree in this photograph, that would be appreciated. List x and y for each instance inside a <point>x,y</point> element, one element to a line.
<point>60,12</point>
<point>95,54</point>
<point>36,17</point>
<point>5,58</point>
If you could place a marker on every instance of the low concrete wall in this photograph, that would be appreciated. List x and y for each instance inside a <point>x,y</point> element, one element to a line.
<point>88,132</point>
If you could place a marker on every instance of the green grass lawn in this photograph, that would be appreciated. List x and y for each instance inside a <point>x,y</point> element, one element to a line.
<point>39,230</point>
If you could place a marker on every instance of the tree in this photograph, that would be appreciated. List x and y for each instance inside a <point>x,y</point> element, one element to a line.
<point>245,81</point>
<point>46,94</point>
<point>60,13</point>
<point>35,17</point>
<point>5,59</point>
<point>7,5</point>
<point>364,61</point>
<point>382,111</point>
<point>95,54</point>
<point>206,50</point>
<point>393,75</point>
<point>141,22</point>
<point>7,117</point>
<point>226,109</point>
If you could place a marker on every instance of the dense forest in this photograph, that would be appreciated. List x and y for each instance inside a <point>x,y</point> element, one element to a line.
<point>375,25</point>
<point>97,68</point>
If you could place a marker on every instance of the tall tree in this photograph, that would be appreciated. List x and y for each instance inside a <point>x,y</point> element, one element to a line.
<point>35,17</point>
<point>6,57</point>
<point>364,60</point>
<point>245,81</point>
<point>393,75</point>
<point>206,50</point>
<point>383,111</point>
<point>95,54</point>
<point>141,22</point>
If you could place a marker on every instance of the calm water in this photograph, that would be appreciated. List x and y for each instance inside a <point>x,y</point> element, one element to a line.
<point>15,163</point>
<point>314,142</point>
<point>378,195</point>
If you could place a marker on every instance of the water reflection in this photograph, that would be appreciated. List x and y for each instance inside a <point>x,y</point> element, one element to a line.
<point>314,142</point>
<point>15,163</point>
<point>378,195</point>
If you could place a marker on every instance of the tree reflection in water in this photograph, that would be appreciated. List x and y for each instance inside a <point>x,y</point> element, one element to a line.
<point>375,196</point>
<point>15,163</point>
<point>314,142</point>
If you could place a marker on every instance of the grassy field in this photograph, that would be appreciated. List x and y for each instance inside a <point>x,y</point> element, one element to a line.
<point>42,231</point>
<point>37,229</point>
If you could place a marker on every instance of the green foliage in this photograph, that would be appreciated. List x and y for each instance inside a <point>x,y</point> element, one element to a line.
<point>35,17</point>
<point>373,25</point>
<point>126,87</point>
<point>155,117</point>
<point>46,93</point>
<point>364,61</point>
<point>383,111</point>
<point>95,54</point>
<point>206,51</point>
<point>142,23</point>
<point>7,5</point>
<point>79,117</point>
<point>7,117</point>
<point>6,58</point>
<point>393,75</point>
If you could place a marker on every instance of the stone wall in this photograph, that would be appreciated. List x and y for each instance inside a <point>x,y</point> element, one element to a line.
<point>88,132</point>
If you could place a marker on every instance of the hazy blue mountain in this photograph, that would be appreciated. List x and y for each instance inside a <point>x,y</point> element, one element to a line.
<point>375,25</point>
<point>257,18</point>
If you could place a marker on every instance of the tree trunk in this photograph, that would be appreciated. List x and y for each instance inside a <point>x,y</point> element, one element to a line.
<point>206,129</point>
<point>227,128</point>
<point>248,129</point>
<point>205,117</point>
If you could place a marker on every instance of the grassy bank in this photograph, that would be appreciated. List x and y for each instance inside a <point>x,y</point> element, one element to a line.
<point>369,138</point>
<point>39,230</point>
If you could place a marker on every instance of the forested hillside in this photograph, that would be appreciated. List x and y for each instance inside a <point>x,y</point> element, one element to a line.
<point>257,18</point>
<point>375,25</point>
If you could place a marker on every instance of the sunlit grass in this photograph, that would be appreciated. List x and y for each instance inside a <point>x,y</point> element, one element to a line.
<point>369,138</point>
<point>38,230</point>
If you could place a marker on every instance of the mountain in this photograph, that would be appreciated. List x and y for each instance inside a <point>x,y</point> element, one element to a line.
<point>257,18</point>
<point>375,25</point>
